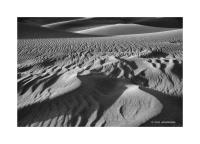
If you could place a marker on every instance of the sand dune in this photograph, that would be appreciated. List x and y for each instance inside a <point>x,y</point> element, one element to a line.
<point>104,92</point>
<point>27,31</point>
<point>85,23</point>
<point>122,80</point>
<point>64,25</point>
<point>91,104</point>
<point>45,20</point>
<point>90,99</point>
<point>122,29</point>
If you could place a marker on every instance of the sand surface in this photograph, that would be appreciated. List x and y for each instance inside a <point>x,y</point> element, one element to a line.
<point>70,79</point>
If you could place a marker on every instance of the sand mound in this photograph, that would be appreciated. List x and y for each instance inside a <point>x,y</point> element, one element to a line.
<point>87,100</point>
<point>104,92</point>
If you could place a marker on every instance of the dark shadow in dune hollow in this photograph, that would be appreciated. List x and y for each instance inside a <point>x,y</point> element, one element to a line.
<point>48,62</point>
<point>51,108</point>
<point>23,69</point>
<point>155,54</point>
<point>172,113</point>
<point>178,69</point>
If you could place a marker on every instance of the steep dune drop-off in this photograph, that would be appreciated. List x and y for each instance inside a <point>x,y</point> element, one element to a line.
<point>107,81</point>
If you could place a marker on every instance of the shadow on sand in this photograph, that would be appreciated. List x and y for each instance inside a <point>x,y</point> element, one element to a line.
<point>51,108</point>
<point>172,113</point>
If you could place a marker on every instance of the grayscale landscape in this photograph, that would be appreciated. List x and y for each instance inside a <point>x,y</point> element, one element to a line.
<point>99,72</point>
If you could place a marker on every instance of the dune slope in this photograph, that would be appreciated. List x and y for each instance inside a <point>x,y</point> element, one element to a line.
<point>122,29</point>
<point>85,23</point>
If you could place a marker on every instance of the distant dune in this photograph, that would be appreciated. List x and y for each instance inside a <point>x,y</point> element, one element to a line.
<point>122,29</point>
<point>28,31</point>
<point>167,22</point>
<point>44,20</point>
<point>85,23</point>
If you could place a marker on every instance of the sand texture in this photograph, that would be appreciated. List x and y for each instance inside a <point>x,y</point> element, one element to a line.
<point>106,75</point>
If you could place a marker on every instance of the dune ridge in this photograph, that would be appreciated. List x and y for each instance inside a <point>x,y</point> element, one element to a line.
<point>122,29</point>
<point>85,23</point>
